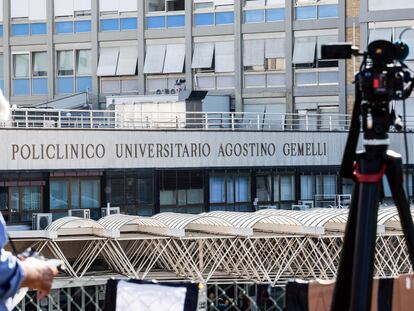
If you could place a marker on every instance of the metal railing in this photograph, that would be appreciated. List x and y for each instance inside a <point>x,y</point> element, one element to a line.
<point>235,121</point>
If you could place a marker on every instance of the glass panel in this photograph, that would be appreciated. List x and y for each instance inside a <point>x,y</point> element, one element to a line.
<point>20,30</point>
<point>83,84</point>
<point>21,65</point>
<point>116,190</point>
<point>329,185</point>
<point>65,63</point>
<point>40,62</point>
<point>306,78</point>
<point>230,190</point>
<point>65,85</point>
<point>145,190</point>
<point>109,24</point>
<point>264,188</point>
<point>58,194</point>
<point>307,188</point>
<point>63,27</point>
<point>90,193</point>
<point>195,196</point>
<point>38,29</point>
<point>274,15</point>
<point>255,80</point>
<point>83,26</point>
<point>39,86</point>
<point>347,186</point>
<point>206,83</point>
<point>225,82</point>
<point>21,87</point>
<point>175,21</point>
<point>167,197</point>
<point>129,23</point>
<point>110,86</point>
<point>217,189</point>
<point>175,5</point>
<point>328,11</point>
<point>182,197</point>
<point>204,19</point>
<point>129,86</point>
<point>242,189</point>
<point>319,183</point>
<point>84,62</point>
<point>306,12</point>
<point>31,199</point>
<point>156,5</point>
<point>254,16</point>
<point>329,77</point>
<point>155,22</point>
<point>1,30</point>
<point>14,204</point>
<point>287,188</point>
<point>4,198</point>
<point>276,185</point>
<point>223,18</point>
<point>276,79</point>
<point>74,193</point>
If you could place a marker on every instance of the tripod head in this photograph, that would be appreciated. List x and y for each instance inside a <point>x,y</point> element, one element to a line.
<point>382,77</point>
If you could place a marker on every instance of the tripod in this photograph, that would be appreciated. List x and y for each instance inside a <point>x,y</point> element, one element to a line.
<point>354,279</point>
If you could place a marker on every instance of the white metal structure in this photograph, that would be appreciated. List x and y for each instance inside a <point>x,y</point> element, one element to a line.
<point>267,246</point>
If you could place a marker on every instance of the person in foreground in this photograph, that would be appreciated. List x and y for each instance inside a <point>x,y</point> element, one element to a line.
<point>18,273</point>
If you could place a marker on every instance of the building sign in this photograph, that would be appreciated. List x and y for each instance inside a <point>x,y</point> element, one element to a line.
<point>100,149</point>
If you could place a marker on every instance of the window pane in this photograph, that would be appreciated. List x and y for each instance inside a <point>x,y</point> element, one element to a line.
<point>224,18</point>
<point>58,194</point>
<point>21,87</point>
<point>4,198</point>
<point>14,204</point>
<point>31,198</point>
<point>38,29</point>
<point>306,12</point>
<point>167,197</point>
<point>39,86</point>
<point>74,193</point>
<point>84,62</point>
<point>263,188</point>
<point>145,190</point>
<point>306,187</point>
<point>129,23</point>
<point>254,16</point>
<point>65,85</point>
<point>90,194</point>
<point>175,21</point>
<point>195,196</point>
<point>20,30</point>
<point>65,63</point>
<point>109,24</point>
<point>204,19</point>
<point>230,191</point>
<point>1,30</point>
<point>156,5</point>
<point>273,15</point>
<point>329,185</point>
<point>217,189</point>
<point>83,84</point>
<point>276,185</point>
<point>64,27</point>
<point>287,188</point>
<point>242,187</point>
<point>83,26</point>
<point>21,65</point>
<point>40,61</point>
<point>328,11</point>
<point>155,22</point>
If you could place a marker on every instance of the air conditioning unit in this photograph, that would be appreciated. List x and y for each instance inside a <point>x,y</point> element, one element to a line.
<point>82,213</point>
<point>40,221</point>
<point>112,211</point>
<point>158,92</point>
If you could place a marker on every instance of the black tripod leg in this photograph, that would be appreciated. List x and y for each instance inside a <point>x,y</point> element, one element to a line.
<point>363,261</point>
<point>395,180</point>
<point>342,292</point>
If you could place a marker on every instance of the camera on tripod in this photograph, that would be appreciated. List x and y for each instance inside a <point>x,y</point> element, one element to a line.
<point>383,75</point>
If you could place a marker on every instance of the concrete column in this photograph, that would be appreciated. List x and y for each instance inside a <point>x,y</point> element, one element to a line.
<point>289,7</point>
<point>141,46</point>
<point>6,49</point>
<point>188,44</point>
<point>238,61</point>
<point>342,63</point>
<point>95,46</point>
<point>50,49</point>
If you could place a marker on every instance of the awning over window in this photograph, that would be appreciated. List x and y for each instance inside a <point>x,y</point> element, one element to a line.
<point>154,59</point>
<point>128,6</point>
<point>275,48</point>
<point>174,58</point>
<point>324,40</point>
<point>108,5</point>
<point>81,5</point>
<point>253,52</point>
<point>37,9</point>
<point>19,8</point>
<point>108,61</point>
<point>223,2</point>
<point>127,63</point>
<point>63,8</point>
<point>203,55</point>
<point>304,51</point>
<point>224,56</point>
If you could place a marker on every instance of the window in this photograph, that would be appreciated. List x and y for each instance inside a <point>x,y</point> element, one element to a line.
<point>182,191</point>
<point>261,11</point>
<point>322,189</point>
<point>170,19</point>
<point>28,17</point>
<point>23,202</point>
<point>72,16</point>
<point>70,81</point>
<point>230,192</point>
<point>209,13</point>
<point>75,193</point>
<point>30,72</point>
<point>317,10</point>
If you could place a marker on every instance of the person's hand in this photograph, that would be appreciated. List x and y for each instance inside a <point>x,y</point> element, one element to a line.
<point>38,275</point>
